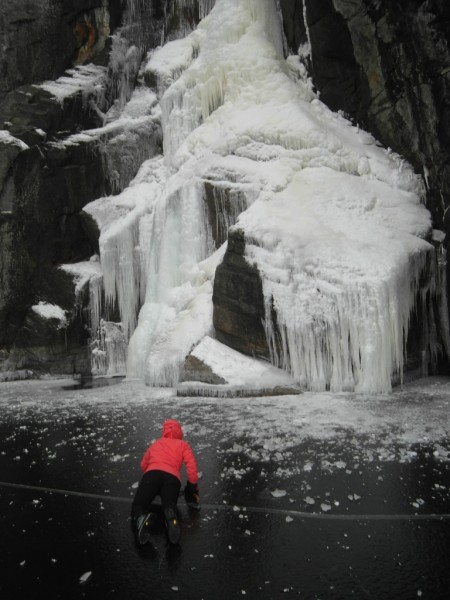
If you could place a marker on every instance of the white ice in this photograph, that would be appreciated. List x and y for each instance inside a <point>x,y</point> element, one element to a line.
<point>335,223</point>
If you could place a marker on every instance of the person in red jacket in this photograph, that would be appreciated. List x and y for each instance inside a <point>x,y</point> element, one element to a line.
<point>161,465</point>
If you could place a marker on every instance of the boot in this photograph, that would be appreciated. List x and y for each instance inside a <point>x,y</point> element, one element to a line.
<point>173,526</point>
<point>143,525</point>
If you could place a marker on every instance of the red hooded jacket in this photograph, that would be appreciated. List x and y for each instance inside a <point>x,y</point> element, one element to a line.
<point>170,452</point>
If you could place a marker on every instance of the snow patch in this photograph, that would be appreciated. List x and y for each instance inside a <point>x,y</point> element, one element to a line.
<point>278,493</point>
<point>51,311</point>
<point>7,138</point>
<point>83,78</point>
<point>85,577</point>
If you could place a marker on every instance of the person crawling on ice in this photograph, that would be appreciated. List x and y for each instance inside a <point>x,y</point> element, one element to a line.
<point>161,464</point>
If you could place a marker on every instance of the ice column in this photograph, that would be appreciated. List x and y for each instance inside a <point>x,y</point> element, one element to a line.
<point>176,312</point>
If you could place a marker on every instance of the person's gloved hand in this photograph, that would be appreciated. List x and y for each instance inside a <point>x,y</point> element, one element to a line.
<point>192,495</point>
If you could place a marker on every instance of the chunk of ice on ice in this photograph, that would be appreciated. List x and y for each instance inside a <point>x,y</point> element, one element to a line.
<point>340,464</point>
<point>85,577</point>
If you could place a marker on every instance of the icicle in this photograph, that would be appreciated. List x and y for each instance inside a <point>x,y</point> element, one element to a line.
<point>205,7</point>
<point>174,316</point>
<point>124,63</point>
<point>180,116</point>
<point>121,281</point>
<point>96,303</point>
<point>361,348</point>
<point>268,14</point>
<point>228,207</point>
<point>305,51</point>
<point>280,19</point>
<point>228,203</point>
<point>132,8</point>
<point>109,349</point>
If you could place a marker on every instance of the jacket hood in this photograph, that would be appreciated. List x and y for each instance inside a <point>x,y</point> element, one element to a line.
<point>172,429</point>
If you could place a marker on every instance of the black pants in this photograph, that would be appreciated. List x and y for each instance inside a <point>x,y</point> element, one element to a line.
<point>152,484</point>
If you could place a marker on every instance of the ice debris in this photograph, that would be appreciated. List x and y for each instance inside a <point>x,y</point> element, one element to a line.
<point>85,577</point>
<point>278,493</point>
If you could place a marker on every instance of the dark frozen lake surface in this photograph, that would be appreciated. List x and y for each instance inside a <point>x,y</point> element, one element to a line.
<point>327,496</point>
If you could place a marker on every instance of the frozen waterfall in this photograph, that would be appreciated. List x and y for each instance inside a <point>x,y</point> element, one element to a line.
<point>333,222</point>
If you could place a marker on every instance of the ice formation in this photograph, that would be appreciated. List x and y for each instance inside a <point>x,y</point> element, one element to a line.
<point>333,222</point>
<point>343,278</point>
